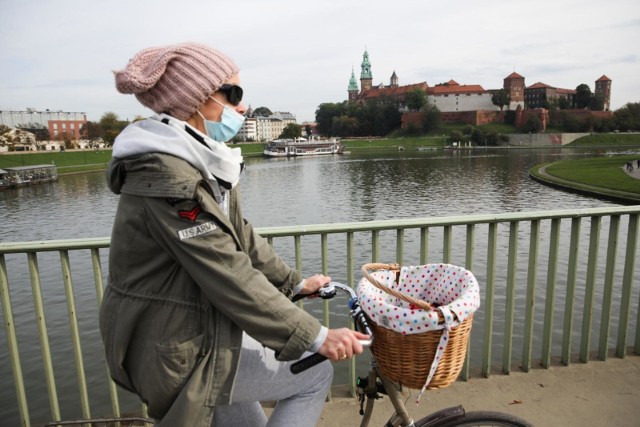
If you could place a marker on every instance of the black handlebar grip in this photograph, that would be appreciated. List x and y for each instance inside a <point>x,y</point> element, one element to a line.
<point>307,362</point>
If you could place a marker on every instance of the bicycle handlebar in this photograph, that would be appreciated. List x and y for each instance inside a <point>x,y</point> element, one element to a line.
<point>329,291</point>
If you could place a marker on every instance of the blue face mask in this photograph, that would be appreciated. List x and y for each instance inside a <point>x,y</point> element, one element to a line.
<point>228,126</point>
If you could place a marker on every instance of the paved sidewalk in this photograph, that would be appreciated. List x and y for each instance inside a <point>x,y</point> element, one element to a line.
<point>635,171</point>
<point>580,395</point>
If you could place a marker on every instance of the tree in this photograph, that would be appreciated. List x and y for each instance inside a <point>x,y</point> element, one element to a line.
<point>457,137</point>
<point>262,112</point>
<point>478,137</point>
<point>344,126</point>
<point>564,103</point>
<point>291,131</point>
<point>583,96</point>
<point>430,118</point>
<point>596,103</point>
<point>628,117</point>
<point>415,99</point>
<point>111,126</point>
<point>532,125</point>
<point>307,130</point>
<point>500,99</point>
<point>325,114</point>
<point>91,131</point>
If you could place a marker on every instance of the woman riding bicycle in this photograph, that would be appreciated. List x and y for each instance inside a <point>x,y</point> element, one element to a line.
<point>197,318</point>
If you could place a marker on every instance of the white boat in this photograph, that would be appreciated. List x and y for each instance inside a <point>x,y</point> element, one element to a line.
<point>293,148</point>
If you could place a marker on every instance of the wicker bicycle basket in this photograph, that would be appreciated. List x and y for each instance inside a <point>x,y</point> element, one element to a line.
<point>407,358</point>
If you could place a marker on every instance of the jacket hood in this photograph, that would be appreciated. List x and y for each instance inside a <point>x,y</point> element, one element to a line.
<point>165,134</point>
<point>153,175</point>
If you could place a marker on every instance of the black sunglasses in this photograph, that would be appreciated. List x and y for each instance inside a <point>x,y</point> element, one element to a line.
<point>233,93</point>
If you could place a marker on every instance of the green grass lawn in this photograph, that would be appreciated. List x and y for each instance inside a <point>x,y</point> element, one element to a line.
<point>604,172</point>
<point>413,142</point>
<point>66,161</point>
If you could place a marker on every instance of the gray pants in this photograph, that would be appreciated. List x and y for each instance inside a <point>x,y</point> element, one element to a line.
<point>300,398</point>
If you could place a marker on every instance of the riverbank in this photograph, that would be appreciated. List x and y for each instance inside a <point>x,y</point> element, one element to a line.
<point>74,161</point>
<point>604,177</point>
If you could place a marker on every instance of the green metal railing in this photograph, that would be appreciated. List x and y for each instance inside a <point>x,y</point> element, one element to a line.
<point>544,287</point>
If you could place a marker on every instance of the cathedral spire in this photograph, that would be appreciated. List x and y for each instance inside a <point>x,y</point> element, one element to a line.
<point>366,78</point>
<point>353,86</point>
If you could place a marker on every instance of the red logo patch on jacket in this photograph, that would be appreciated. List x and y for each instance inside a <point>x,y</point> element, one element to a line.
<point>190,215</point>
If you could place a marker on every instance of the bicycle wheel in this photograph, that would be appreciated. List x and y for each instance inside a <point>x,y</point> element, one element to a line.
<point>478,419</point>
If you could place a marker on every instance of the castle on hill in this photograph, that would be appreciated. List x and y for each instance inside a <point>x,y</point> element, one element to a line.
<point>470,102</point>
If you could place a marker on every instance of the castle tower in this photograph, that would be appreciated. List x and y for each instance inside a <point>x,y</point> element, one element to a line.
<point>603,90</point>
<point>514,85</point>
<point>394,80</point>
<point>353,87</point>
<point>366,79</point>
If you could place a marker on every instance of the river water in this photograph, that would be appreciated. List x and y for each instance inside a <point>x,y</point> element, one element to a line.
<point>378,185</point>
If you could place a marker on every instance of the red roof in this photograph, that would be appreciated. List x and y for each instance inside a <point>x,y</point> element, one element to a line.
<point>604,78</point>
<point>514,75</point>
<point>539,85</point>
<point>456,88</point>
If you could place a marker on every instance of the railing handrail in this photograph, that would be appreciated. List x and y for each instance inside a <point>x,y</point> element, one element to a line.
<point>388,224</point>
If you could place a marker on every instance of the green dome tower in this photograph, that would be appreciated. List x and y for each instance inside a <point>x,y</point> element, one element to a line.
<point>353,87</point>
<point>366,79</point>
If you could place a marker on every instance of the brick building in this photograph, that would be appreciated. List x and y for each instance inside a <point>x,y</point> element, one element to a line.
<point>58,123</point>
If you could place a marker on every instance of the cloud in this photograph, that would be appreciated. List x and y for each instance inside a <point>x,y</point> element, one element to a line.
<point>294,55</point>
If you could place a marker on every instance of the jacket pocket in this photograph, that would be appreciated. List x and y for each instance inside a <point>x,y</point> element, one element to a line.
<point>170,370</point>
<point>176,361</point>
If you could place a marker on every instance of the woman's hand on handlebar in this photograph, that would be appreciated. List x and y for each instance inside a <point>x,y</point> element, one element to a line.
<point>313,283</point>
<point>342,344</point>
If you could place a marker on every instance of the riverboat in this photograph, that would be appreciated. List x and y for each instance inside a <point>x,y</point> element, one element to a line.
<point>293,148</point>
<point>27,175</point>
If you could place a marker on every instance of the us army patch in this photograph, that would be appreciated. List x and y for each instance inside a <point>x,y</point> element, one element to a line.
<point>196,231</point>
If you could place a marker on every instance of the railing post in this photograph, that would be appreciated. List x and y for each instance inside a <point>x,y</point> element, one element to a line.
<point>12,342</point>
<point>446,244</point>
<point>532,275</point>
<point>612,246</point>
<point>627,282</point>
<point>489,299</point>
<point>75,333</point>
<point>424,245</point>
<point>550,296</point>
<point>36,291</point>
<point>510,297</point>
<point>469,255</point>
<point>589,287</point>
<point>400,246</point>
<point>571,291</point>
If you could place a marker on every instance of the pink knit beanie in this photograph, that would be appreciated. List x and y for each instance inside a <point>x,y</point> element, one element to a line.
<point>175,79</point>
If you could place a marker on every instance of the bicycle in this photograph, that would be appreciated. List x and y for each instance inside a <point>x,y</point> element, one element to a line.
<point>371,387</point>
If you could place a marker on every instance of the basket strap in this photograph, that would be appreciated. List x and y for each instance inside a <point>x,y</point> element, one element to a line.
<point>392,267</point>
<point>449,320</point>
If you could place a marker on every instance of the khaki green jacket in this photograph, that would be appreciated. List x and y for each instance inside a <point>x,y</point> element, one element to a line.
<point>184,281</point>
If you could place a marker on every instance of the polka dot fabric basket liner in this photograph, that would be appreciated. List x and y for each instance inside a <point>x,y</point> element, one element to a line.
<point>421,316</point>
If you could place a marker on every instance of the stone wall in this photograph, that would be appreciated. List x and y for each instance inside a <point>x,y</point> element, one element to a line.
<point>543,139</point>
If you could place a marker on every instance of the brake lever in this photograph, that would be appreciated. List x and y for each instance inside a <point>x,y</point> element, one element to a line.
<point>327,291</point>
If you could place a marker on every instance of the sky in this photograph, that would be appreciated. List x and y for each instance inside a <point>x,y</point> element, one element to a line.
<point>294,55</point>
